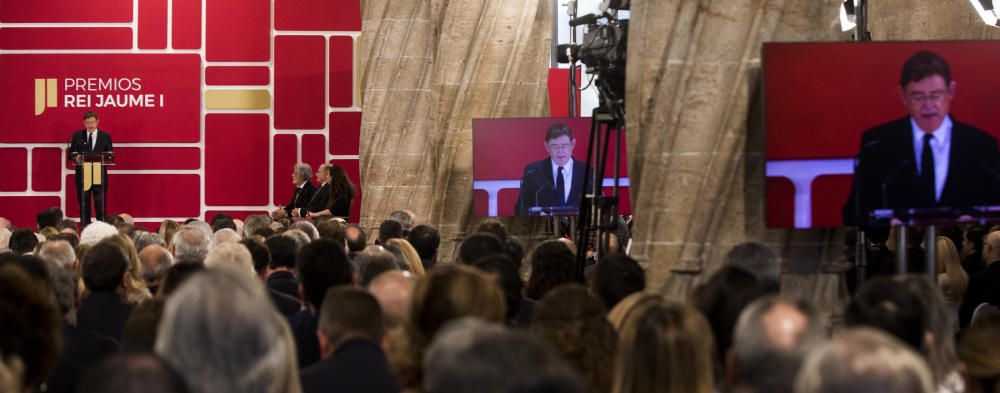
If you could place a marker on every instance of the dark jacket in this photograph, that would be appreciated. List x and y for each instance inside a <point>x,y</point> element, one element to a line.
<point>538,187</point>
<point>285,282</point>
<point>82,350</point>
<point>78,144</point>
<point>304,325</point>
<point>286,305</point>
<point>357,365</point>
<point>319,201</point>
<point>104,313</point>
<point>982,286</point>
<point>301,197</point>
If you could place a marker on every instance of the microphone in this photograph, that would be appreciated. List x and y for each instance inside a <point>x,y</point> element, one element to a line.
<point>545,184</point>
<point>588,19</point>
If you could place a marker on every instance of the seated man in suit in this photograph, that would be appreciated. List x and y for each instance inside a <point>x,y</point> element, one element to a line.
<point>104,310</point>
<point>321,197</point>
<point>350,334</point>
<point>304,191</point>
<point>926,159</point>
<point>556,181</point>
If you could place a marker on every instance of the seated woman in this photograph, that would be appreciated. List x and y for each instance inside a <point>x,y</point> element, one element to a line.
<point>340,194</point>
<point>303,193</point>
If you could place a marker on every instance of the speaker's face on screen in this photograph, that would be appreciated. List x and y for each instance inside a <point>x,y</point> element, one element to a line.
<point>560,149</point>
<point>90,123</point>
<point>928,101</point>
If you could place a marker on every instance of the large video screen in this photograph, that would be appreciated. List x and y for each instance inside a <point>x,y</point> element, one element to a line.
<point>916,122</point>
<point>535,166</point>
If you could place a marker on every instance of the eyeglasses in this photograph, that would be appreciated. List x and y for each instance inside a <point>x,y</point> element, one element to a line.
<point>565,147</point>
<point>933,98</point>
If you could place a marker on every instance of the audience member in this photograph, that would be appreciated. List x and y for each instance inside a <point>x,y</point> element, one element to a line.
<point>951,277</point>
<point>405,218</point>
<point>972,249</point>
<point>66,225</point>
<point>49,218</point>
<point>478,245</point>
<point>614,277</point>
<point>176,275</point>
<point>135,286</point>
<point>864,360</point>
<point>574,323</point>
<point>223,223</point>
<point>321,265</point>
<point>940,325</point>
<point>133,373</point>
<point>887,305</point>
<point>148,239</point>
<point>494,226</point>
<point>23,241</point>
<point>167,230</point>
<point>980,359</point>
<point>155,261</point>
<point>141,327</point>
<point>281,270</point>
<point>393,290</point>
<point>31,329</point>
<point>234,255</point>
<point>307,228</point>
<point>4,240</point>
<point>372,262</point>
<point>356,238</point>
<point>332,230</point>
<point>514,250</point>
<point>288,305</point>
<point>350,332</point>
<point>552,264</point>
<point>389,229</point>
<point>191,244</point>
<point>105,274</point>
<point>425,240</point>
<point>255,223</point>
<point>519,308</point>
<point>984,286</point>
<point>413,262</point>
<point>59,252</point>
<point>225,235</point>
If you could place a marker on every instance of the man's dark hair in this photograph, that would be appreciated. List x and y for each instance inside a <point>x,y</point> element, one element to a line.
<point>49,217</point>
<point>515,251</point>
<point>756,258</point>
<point>889,305</point>
<point>924,64</point>
<point>552,265</point>
<point>722,298</point>
<point>190,220</point>
<point>557,130</point>
<point>218,216</point>
<point>260,254</point>
<point>322,264</point>
<point>975,234</point>
<point>494,226</point>
<point>143,322</point>
<point>103,267</point>
<point>22,241</point>
<point>616,276</point>
<point>359,243</point>
<point>131,372</point>
<point>265,232</point>
<point>176,274</point>
<point>390,230</point>
<point>115,221</point>
<point>331,230</point>
<point>479,245</point>
<point>425,239</point>
<point>348,312</point>
<point>222,223</point>
<point>954,234</point>
<point>508,278</point>
<point>90,114</point>
<point>283,251</point>
<point>66,224</point>
<point>371,264</point>
<point>70,238</point>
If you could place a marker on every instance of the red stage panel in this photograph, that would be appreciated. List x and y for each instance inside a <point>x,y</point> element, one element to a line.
<point>342,15</point>
<point>352,167</point>
<point>780,203</point>
<point>238,30</point>
<point>238,215</point>
<point>481,203</point>
<point>559,92</point>
<point>285,157</point>
<point>186,24</point>
<point>171,81</point>
<point>152,226</point>
<point>152,24</point>
<point>506,199</point>
<point>828,195</point>
<point>21,211</point>
<point>157,158</point>
<point>299,72</point>
<point>145,195</point>
<point>236,150</point>
<point>14,175</point>
<point>341,71</point>
<point>313,150</point>
<point>345,133</point>
<point>46,168</point>
<point>237,76</point>
<point>66,38</point>
<point>75,11</point>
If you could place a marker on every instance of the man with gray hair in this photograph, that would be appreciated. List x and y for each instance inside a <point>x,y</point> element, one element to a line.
<point>984,286</point>
<point>301,238</point>
<point>59,252</point>
<point>306,227</point>
<point>255,223</point>
<point>405,219</point>
<point>771,339</point>
<point>147,239</point>
<point>372,262</point>
<point>155,261</point>
<point>225,235</point>
<point>393,290</point>
<point>304,191</point>
<point>233,255</point>
<point>190,245</point>
<point>97,231</point>
<point>864,360</point>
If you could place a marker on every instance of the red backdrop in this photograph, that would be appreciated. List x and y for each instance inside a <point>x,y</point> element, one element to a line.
<point>820,98</point>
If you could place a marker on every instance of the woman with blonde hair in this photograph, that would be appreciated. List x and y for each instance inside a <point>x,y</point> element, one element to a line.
<point>979,357</point>
<point>446,293</point>
<point>410,254</point>
<point>167,230</point>
<point>951,277</point>
<point>135,287</point>
<point>663,347</point>
<point>617,313</point>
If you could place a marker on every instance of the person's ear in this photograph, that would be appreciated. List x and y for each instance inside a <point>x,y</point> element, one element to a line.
<point>124,281</point>
<point>732,370</point>
<point>325,349</point>
<point>952,86</point>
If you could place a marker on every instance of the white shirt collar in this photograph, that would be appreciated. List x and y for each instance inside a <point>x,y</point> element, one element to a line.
<point>567,169</point>
<point>303,184</point>
<point>941,135</point>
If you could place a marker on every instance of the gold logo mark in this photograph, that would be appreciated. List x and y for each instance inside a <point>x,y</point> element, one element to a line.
<point>45,95</point>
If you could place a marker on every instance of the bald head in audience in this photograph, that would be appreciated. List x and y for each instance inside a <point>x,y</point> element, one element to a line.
<point>155,261</point>
<point>393,290</point>
<point>59,252</point>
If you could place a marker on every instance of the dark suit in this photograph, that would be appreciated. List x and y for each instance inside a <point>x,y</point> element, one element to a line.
<point>80,143</point>
<point>887,158</point>
<point>538,187</point>
<point>104,313</point>
<point>319,201</point>
<point>357,365</point>
<point>304,325</point>
<point>983,288</point>
<point>82,350</point>
<point>285,282</point>
<point>286,305</point>
<point>301,197</point>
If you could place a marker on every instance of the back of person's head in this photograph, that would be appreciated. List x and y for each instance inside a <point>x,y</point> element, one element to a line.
<point>49,217</point>
<point>155,262</point>
<point>479,245</point>
<point>393,290</point>
<point>223,223</point>
<point>23,241</point>
<point>350,312</point>
<point>573,321</point>
<point>139,334</point>
<point>307,228</point>
<point>331,230</point>
<point>426,240</point>
<point>131,372</point>
<point>864,360</point>
<point>104,267</point>
<point>616,276</point>
<point>65,289</point>
<point>663,347</point>
<point>389,229</point>
<point>980,359</point>
<point>507,277</point>
<point>552,264</point>
<point>494,226</point>
<point>722,298</point>
<point>70,237</point>
<point>260,254</point>
<point>771,339</point>
<point>59,252</point>
<point>219,217</point>
<point>283,251</point>
<point>222,334</point>
<point>147,239</point>
<point>357,240</point>
<point>404,218</point>
<point>255,223</point>
<point>176,275</point>
<point>322,264</point>
<point>201,226</point>
<point>470,355</point>
<point>191,243</point>
<point>372,262</point>
<point>514,250</point>
<point>300,238</point>
<point>66,225</point>
<point>31,327</point>
<point>939,320</point>
<point>411,260</point>
<point>887,304</point>
<point>225,235</point>
<point>756,258</point>
<point>231,254</point>
<point>975,234</point>
<point>97,231</point>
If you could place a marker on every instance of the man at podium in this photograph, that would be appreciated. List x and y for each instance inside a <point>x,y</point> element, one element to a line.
<point>92,183</point>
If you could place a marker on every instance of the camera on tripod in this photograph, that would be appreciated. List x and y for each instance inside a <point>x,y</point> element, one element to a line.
<point>603,51</point>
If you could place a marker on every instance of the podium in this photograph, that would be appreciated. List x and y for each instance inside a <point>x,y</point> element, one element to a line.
<point>92,165</point>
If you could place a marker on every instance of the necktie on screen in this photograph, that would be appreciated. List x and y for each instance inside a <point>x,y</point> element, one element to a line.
<point>92,141</point>
<point>560,187</point>
<point>927,168</point>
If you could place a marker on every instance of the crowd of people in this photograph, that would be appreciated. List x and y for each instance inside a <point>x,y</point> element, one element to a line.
<point>289,303</point>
